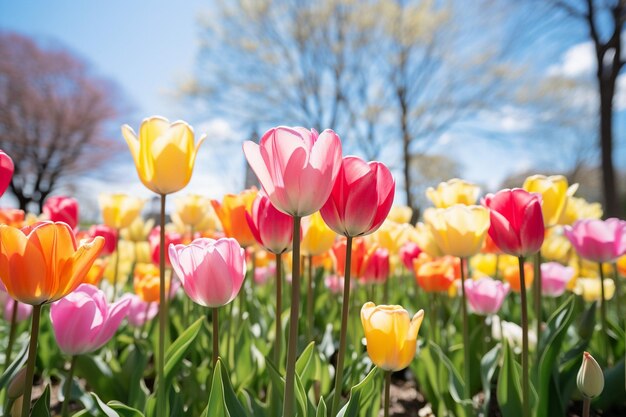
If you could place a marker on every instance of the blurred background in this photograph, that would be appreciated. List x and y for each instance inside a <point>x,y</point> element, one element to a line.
<point>487,90</point>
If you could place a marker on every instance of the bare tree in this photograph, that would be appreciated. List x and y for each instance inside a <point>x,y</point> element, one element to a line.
<point>53,113</point>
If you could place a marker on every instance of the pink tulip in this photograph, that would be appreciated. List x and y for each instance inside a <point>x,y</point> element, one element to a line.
<point>485,295</point>
<point>271,228</point>
<point>408,252</point>
<point>516,221</point>
<point>335,283</point>
<point>23,310</point>
<point>361,198</point>
<point>140,311</point>
<point>108,233</point>
<point>598,240</point>
<point>377,266</point>
<point>296,168</point>
<point>62,209</point>
<point>211,271</point>
<point>83,321</point>
<point>262,274</point>
<point>6,171</point>
<point>154,238</point>
<point>554,278</point>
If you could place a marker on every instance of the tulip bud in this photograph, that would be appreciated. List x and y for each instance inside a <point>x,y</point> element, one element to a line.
<point>590,379</point>
<point>16,387</point>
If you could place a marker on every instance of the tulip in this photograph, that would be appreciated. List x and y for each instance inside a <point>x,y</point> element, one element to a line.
<point>334,283</point>
<point>554,192</point>
<point>361,198</point>
<point>359,253</point>
<point>579,209</point>
<point>391,335</point>
<point>83,321</point>
<point>589,289</point>
<point>119,210</point>
<point>435,276</point>
<point>164,153</point>
<point>511,274</point>
<point>138,230</point>
<point>108,233</point>
<point>454,191</point>
<point>490,246</point>
<point>590,379</point>
<point>271,228</point>
<point>6,171</point>
<point>426,240</point>
<point>391,236</point>
<point>512,332</point>
<point>458,230</point>
<point>192,209</point>
<point>556,247</point>
<point>296,168</point>
<point>484,265</point>
<point>621,265</point>
<point>400,214</point>
<point>555,278</point>
<point>376,266</point>
<point>409,252</point>
<point>232,214</point>
<point>96,272</point>
<point>140,311</point>
<point>317,237</point>
<point>61,209</point>
<point>12,217</point>
<point>598,240</point>
<point>486,295</point>
<point>171,238</point>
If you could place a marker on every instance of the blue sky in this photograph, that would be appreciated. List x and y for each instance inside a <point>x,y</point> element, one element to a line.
<point>148,47</point>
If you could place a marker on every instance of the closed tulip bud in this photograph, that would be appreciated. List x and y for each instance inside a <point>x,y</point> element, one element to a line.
<point>459,230</point>
<point>164,153</point>
<point>61,209</point>
<point>119,210</point>
<point>16,386</point>
<point>6,171</point>
<point>232,214</point>
<point>590,379</point>
<point>554,195</point>
<point>517,226</point>
<point>391,335</point>
<point>360,199</point>
<point>317,237</point>
<point>451,192</point>
<point>271,228</point>
<point>598,240</point>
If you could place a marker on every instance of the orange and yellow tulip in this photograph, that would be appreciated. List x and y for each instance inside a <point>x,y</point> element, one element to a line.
<point>232,214</point>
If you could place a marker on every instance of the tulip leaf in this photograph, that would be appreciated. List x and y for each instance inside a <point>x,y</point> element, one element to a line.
<point>456,384</point>
<point>614,382</point>
<point>306,367</point>
<point>488,366</point>
<point>550,401</point>
<point>361,395</point>
<point>321,408</point>
<point>222,398</point>
<point>14,367</point>
<point>509,390</point>
<point>177,351</point>
<point>42,405</point>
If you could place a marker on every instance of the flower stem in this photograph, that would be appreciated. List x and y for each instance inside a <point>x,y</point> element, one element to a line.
<point>386,291</point>
<point>278,338</point>
<point>466,341</point>
<point>32,358</point>
<point>387,389</point>
<point>618,292</point>
<point>116,267</point>
<point>292,345</point>
<point>216,336</point>
<point>7,356</point>
<point>586,406</point>
<point>525,364</point>
<point>345,309</point>
<point>538,291</point>
<point>309,300</point>
<point>161,404</point>
<point>67,392</point>
<point>605,336</point>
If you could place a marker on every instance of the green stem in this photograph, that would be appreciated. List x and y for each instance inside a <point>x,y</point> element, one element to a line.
<point>161,404</point>
<point>7,356</point>
<point>309,300</point>
<point>586,406</point>
<point>345,309</point>
<point>32,358</point>
<point>387,389</point>
<point>538,292</point>
<point>116,267</point>
<point>497,271</point>
<point>605,335</point>
<point>216,336</point>
<point>229,331</point>
<point>466,341</point>
<point>525,364</point>
<point>67,392</point>
<point>618,292</point>
<point>386,291</point>
<point>292,345</point>
<point>278,338</point>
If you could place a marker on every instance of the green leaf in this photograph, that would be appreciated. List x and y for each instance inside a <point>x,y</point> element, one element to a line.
<point>123,410</point>
<point>42,405</point>
<point>360,395</point>
<point>305,366</point>
<point>509,390</point>
<point>488,366</point>
<point>177,350</point>
<point>321,408</point>
<point>222,400</point>
<point>14,367</point>
<point>456,384</point>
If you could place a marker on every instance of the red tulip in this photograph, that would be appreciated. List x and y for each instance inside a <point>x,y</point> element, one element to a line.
<point>359,252</point>
<point>6,171</point>
<point>271,228</point>
<point>361,198</point>
<point>108,233</point>
<point>62,209</point>
<point>408,252</point>
<point>377,266</point>
<point>516,221</point>
<point>154,238</point>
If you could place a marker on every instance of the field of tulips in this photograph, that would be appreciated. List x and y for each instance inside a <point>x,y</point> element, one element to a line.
<point>313,296</point>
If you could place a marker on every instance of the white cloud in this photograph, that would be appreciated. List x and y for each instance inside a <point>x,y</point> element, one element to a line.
<point>577,61</point>
<point>218,129</point>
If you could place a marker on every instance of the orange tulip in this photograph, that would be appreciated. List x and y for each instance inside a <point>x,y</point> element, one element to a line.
<point>12,217</point>
<point>436,275</point>
<point>232,214</point>
<point>96,272</point>
<point>359,253</point>
<point>146,282</point>
<point>43,263</point>
<point>511,275</point>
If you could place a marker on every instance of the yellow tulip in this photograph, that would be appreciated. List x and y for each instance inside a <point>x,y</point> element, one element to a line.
<point>459,230</point>
<point>164,153</point>
<point>317,237</point>
<point>138,230</point>
<point>124,266</point>
<point>391,335</point>
<point>554,195</point>
<point>400,214</point>
<point>484,264</point>
<point>119,210</point>
<point>589,288</point>
<point>579,208</point>
<point>454,191</point>
<point>192,209</point>
<point>555,247</point>
<point>621,265</point>
<point>426,240</point>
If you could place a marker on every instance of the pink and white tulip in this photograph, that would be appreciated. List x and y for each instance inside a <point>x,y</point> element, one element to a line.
<point>140,311</point>
<point>598,240</point>
<point>554,278</point>
<point>486,295</point>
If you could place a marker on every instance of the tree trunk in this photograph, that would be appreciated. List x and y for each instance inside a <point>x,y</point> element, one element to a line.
<point>406,156</point>
<point>606,145</point>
